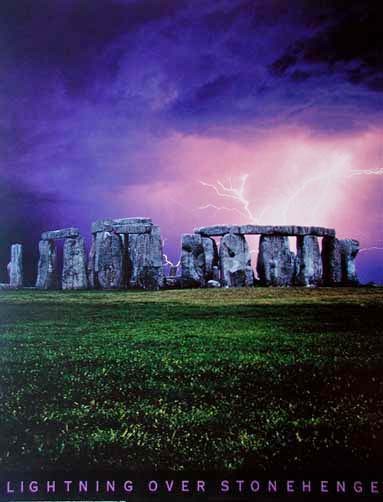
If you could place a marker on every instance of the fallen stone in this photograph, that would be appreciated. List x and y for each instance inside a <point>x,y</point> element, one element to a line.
<point>192,260</point>
<point>4,285</point>
<point>47,276</point>
<point>308,261</point>
<point>16,266</point>
<point>331,261</point>
<point>349,248</point>
<point>74,274</point>
<point>213,284</point>
<point>276,263</point>
<point>211,256</point>
<point>64,233</point>
<point>235,261</point>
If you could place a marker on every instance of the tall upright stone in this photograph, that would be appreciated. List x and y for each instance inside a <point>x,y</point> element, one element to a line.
<point>349,248</point>
<point>192,260</point>
<point>308,261</point>
<point>47,276</point>
<point>108,267</point>
<point>331,261</point>
<point>235,261</point>
<point>211,256</point>
<point>74,274</point>
<point>16,266</point>
<point>145,260</point>
<point>276,263</point>
<point>92,275</point>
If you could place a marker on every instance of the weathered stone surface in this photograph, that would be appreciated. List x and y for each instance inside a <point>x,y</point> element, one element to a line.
<point>74,274</point>
<point>108,268</point>
<point>211,256</point>
<point>145,260</point>
<point>216,275</point>
<point>63,233</point>
<point>286,230</point>
<point>217,230</point>
<point>331,261</point>
<point>92,275</point>
<point>308,261</point>
<point>192,260</point>
<point>113,223</point>
<point>235,261</point>
<point>16,266</point>
<point>213,284</point>
<point>276,263</point>
<point>47,276</point>
<point>133,228</point>
<point>349,248</point>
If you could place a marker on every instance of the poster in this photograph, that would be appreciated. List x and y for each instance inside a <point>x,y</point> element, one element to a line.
<point>191,250</point>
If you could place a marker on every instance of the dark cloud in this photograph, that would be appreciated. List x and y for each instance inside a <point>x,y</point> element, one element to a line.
<point>348,41</point>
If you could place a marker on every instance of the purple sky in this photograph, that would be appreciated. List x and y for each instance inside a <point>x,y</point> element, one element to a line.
<point>114,108</point>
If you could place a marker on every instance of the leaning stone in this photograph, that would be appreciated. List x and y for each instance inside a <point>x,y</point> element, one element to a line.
<point>108,261</point>
<point>211,256</point>
<point>235,261</point>
<point>192,260</point>
<point>217,230</point>
<point>16,266</point>
<point>308,261</point>
<point>276,263</point>
<point>332,261</point>
<point>74,274</point>
<point>213,284</point>
<point>47,276</point>
<point>64,233</point>
<point>349,248</point>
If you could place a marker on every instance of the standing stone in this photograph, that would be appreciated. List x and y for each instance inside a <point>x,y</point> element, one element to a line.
<point>16,266</point>
<point>349,248</point>
<point>216,275</point>
<point>74,264</point>
<point>235,260</point>
<point>92,276</point>
<point>108,261</point>
<point>47,276</point>
<point>145,260</point>
<point>211,256</point>
<point>192,260</point>
<point>332,261</point>
<point>276,263</point>
<point>308,261</point>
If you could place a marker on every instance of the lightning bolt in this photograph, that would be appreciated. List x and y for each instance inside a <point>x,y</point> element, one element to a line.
<point>237,194</point>
<point>166,259</point>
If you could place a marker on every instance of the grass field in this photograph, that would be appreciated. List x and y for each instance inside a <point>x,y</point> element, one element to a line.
<point>191,379</point>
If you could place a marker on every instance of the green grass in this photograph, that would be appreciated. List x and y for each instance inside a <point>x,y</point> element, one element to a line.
<point>191,379</point>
